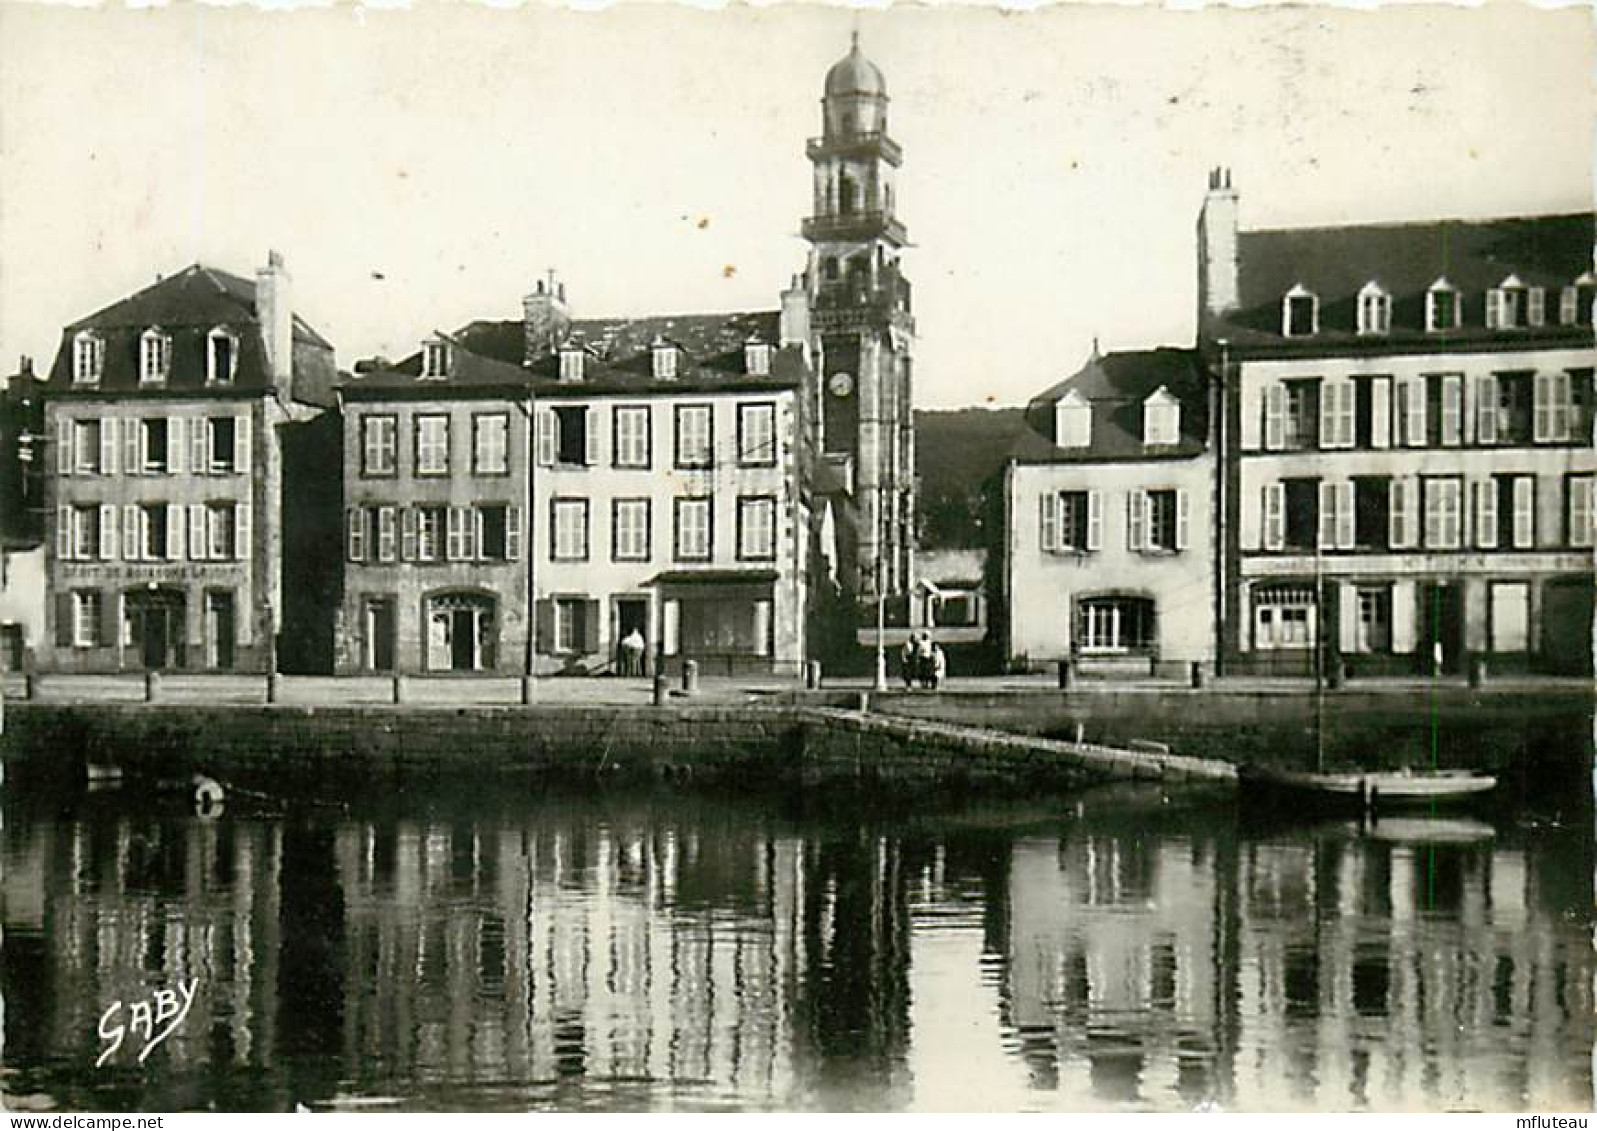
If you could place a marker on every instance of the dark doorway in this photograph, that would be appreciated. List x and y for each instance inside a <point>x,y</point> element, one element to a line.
<point>380,635</point>
<point>155,628</point>
<point>1442,623</point>
<point>1566,618</point>
<point>11,646</point>
<point>463,640</point>
<point>220,630</point>
<point>631,615</point>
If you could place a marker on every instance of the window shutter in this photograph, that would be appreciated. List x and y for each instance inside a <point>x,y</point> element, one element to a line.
<point>1327,523</point>
<point>1094,520</point>
<point>470,533</point>
<point>1582,511</point>
<point>108,517</point>
<point>175,530</point>
<point>1048,518</point>
<point>242,533</point>
<point>456,537</point>
<point>590,627</point>
<point>1415,428</point>
<point>590,437</point>
<point>547,438</point>
<point>133,522</point>
<point>63,620</point>
<point>1344,515</point>
<point>513,533</point>
<point>200,444</point>
<point>355,542</point>
<point>544,625</point>
<point>1403,602</point>
<point>1486,407</point>
<point>409,533</point>
<point>1543,420</point>
<point>1274,417</point>
<point>1381,412</point>
<point>1494,309</point>
<point>1252,416</point>
<point>1524,511</point>
<point>1330,398</point>
<point>1536,306</point>
<point>1569,306</point>
<point>1559,409</point>
<point>1400,528</point>
<point>1274,516</point>
<point>1183,517</point>
<point>242,448</point>
<point>108,445</point>
<point>1486,514</point>
<point>670,620</point>
<point>1347,413</point>
<point>1430,501</point>
<point>199,522</point>
<point>1452,409</point>
<point>63,533</point>
<point>1136,519</point>
<point>132,445</point>
<point>387,535</point>
<point>1347,608</point>
<point>63,445</point>
<point>175,433</point>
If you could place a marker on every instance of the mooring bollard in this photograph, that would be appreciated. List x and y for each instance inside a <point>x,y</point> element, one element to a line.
<point>529,690</point>
<point>1477,671</point>
<point>1336,674</point>
<point>812,675</point>
<point>274,689</point>
<point>661,689</point>
<point>399,689</point>
<point>152,686</point>
<point>690,677</point>
<point>1064,675</point>
<point>1197,675</point>
<point>27,685</point>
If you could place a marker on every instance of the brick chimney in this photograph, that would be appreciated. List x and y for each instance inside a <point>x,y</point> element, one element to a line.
<point>1218,269</point>
<point>274,309</point>
<point>795,322</point>
<point>545,320</point>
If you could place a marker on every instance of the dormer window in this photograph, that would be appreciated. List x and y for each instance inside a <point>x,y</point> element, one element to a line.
<point>155,356</point>
<point>1443,310</point>
<point>757,358</point>
<point>221,356</point>
<point>665,360</point>
<point>571,358</point>
<point>1575,302</point>
<point>1508,305</point>
<point>88,358</point>
<point>1300,313</point>
<point>1375,309</point>
<point>1161,418</point>
<point>1072,421</point>
<point>435,359</point>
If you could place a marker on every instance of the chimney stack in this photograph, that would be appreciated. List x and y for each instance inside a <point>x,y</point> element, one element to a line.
<point>1219,287</point>
<point>545,320</point>
<point>275,310</point>
<point>795,321</point>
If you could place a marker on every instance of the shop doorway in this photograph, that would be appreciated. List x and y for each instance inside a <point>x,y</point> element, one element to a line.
<point>154,623</point>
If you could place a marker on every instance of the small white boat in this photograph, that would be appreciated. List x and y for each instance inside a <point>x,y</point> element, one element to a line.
<point>1368,789</point>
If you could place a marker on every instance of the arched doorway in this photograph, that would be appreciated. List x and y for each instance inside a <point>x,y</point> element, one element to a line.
<point>461,632</point>
<point>153,621</point>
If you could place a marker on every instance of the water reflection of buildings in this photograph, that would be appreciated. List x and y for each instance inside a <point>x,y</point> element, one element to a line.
<point>1306,969</point>
<point>627,953</point>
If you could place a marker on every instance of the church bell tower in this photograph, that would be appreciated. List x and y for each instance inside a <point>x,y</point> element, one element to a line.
<point>860,327</point>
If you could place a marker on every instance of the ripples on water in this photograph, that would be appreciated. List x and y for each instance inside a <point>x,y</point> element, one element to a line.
<point>1121,949</point>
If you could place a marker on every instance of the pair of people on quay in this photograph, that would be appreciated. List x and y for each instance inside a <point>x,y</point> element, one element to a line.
<point>923,661</point>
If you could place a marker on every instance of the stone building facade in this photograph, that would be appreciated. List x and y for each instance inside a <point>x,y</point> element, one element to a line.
<point>167,416</point>
<point>436,515</point>
<point>1109,525</point>
<point>22,591</point>
<point>1409,447</point>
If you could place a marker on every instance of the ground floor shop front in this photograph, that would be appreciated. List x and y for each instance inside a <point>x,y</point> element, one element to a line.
<point>166,624</point>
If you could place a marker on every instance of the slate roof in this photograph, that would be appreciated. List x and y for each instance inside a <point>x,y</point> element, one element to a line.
<point>1116,385</point>
<point>187,306</point>
<point>1405,259</point>
<point>620,358</point>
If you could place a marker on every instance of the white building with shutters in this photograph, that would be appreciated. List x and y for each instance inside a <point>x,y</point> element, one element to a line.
<point>1109,529</point>
<point>1409,437</point>
<point>166,414</point>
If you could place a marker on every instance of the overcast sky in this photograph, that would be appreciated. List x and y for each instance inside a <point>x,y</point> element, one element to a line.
<point>419,169</point>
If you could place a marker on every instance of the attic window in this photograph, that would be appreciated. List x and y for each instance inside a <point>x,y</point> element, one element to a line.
<point>571,363</point>
<point>1161,418</point>
<point>665,360</point>
<point>155,356</point>
<point>757,358</point>
<point>1575,305</point>
<point>1072,421</point>
<point>1442,307</point>
<point>1375,310</point>
<point>1300,313</point>
<point>435,359</point>
<point>1508,305</point>
<point>88,358</point>
<point>221,357</point>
